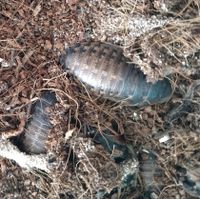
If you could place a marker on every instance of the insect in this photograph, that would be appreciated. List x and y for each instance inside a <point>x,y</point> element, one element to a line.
<point>150,174</point>
<point>105,69</point>
<point>39,125</point>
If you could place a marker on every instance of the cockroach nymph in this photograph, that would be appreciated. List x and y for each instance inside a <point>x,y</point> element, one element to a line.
<point>105,69</point>
<point>38,126</point>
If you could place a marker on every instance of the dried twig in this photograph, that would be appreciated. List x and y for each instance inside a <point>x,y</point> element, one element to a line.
<point>11,152</point>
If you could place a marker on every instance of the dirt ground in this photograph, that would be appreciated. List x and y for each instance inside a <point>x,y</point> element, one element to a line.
<point>162,37</point>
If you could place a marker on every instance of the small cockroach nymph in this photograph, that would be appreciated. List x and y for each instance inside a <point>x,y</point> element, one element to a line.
<point>38,126</point>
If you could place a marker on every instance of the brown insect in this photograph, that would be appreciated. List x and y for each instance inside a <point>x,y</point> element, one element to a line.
<point>39,125</point>
<point>104,68</point>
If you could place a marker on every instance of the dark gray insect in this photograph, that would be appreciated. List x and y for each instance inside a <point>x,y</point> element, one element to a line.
<point>104,68</point>
<point>38,126</point>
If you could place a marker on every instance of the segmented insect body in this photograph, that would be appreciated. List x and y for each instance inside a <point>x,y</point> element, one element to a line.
<point>38,126</point>
<point>148,173</point>
<point>104,68</point>
<point>147,168</point>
